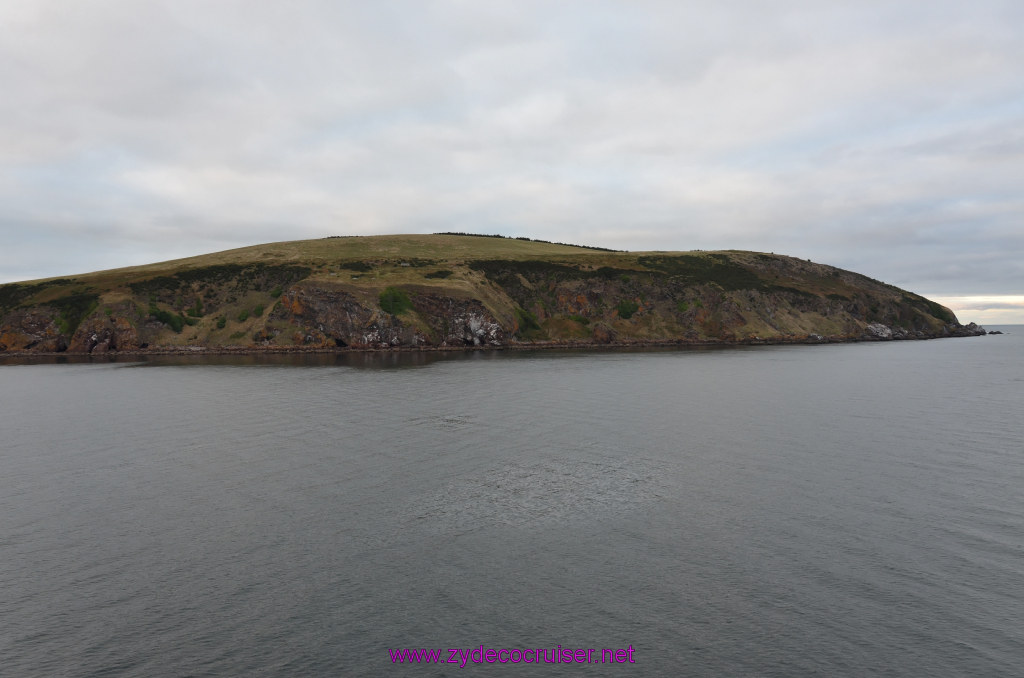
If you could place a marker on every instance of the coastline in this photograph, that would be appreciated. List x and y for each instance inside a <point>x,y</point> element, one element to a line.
<point>510,346</point>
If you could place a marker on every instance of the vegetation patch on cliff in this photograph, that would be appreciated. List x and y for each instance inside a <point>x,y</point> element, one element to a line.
<point>73,308</point>
<point>14,294</point>
<point>394,301</point>
<point>257,275</point>
<point>716,269</point>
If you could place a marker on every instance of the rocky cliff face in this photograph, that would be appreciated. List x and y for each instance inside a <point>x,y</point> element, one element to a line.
<point>328,316</point>
<point>32,329</point>
<point>102,333</point>
<point>469,302</point>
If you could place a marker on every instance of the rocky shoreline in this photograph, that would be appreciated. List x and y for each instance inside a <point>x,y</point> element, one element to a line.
<point>873,333</point>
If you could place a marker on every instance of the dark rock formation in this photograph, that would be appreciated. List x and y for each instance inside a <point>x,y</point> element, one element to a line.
<point>458,322</point>
<point>331,317</point>
<point>102,333</point>
<point>33,329</point>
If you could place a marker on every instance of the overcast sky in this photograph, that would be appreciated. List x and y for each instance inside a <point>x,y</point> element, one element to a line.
<point>885,136</point>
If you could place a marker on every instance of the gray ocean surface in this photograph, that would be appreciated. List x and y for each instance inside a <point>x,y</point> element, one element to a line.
<point>837,510</point>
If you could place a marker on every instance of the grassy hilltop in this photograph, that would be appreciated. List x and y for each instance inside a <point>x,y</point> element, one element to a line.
<point>456,290</point>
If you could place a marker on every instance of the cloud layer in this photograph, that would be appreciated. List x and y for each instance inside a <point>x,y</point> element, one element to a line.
<point>883,137</point>
<point>987,309</point>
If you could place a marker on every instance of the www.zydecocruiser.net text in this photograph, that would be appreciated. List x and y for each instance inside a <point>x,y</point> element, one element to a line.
<point>479,655</point>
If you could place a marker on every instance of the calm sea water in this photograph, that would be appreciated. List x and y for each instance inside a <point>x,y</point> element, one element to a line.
<point>842,510</point>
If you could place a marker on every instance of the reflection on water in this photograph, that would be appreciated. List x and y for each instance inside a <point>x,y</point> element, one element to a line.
<point>365,359</point>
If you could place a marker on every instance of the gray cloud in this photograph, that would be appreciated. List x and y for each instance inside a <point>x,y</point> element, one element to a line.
<point>872,136</point>
<point>993,310</point>
<point>992,306</point>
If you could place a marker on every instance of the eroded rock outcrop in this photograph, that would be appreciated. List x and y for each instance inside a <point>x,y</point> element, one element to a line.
<point>33,329</point>
<point>327,316</point>
<point>878,331</point>
<point>458,322</point>
<point>968,330</point>
<point>102,333</point>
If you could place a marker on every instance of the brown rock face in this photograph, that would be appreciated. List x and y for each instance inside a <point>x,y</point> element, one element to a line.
<point>458,322</point>
<point>100,334</point>
<point>330,316</point>
<point>32,330</point>
<point>320,315</point>
<point>603,334</point>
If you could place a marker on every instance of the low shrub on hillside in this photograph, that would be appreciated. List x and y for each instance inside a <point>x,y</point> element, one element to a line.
<point>196,310</point>
<point>394,301</point>
<point>527,321</point>
<point>173,320</point>
<point>73,308</point>
<point>360,266</point>
<point>626,309</point>
<point>701,270</point>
